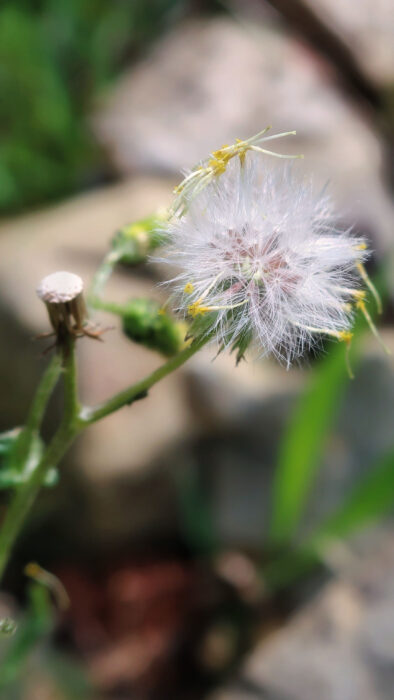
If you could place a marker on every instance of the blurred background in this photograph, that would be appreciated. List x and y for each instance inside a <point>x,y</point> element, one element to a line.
<point>228,538</point>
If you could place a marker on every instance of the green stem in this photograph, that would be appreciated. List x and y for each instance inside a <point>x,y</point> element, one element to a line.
<point>132,393</point>
<point>71,401</point>
<point>43,393</point>
<point>74,421</point>
<point>101,277</point>
<point>110,306</point>
<point>26,493</point>
<point>36,414</point>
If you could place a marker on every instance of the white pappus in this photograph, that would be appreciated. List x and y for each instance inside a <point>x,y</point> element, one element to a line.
<point>262,258</point>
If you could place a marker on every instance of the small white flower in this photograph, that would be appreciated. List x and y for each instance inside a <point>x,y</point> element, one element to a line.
<point>262,257</point>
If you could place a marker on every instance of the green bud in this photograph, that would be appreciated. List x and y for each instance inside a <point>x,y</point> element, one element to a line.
<point>145,322</point>
<point>135,241</point>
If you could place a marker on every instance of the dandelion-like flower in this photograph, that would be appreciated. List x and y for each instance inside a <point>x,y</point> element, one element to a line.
<point>262,258</point>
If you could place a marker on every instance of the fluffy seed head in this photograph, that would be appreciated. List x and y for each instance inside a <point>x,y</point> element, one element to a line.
<point>261,256</point>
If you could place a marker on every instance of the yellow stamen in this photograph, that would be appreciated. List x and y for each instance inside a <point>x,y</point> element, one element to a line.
<point>345,336</point>
<point>361,305</point>
<point>339,335</point>
<point>217,166</point>
<point>361,246</point>
<point>188,288</point>
<point>197,309</point>
<point>363,274</point>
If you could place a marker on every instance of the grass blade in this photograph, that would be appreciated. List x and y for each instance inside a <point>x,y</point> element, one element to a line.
<point>303,444</point>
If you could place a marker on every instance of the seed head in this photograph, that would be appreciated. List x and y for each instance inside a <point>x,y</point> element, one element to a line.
<point>262,257</point>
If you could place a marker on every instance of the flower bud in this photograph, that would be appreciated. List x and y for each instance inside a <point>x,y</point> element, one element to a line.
<point>135,241</point>
<point>148,324</point>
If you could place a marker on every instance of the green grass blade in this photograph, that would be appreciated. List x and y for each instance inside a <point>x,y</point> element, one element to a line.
<point>370,499</point>
<point>303,444</point>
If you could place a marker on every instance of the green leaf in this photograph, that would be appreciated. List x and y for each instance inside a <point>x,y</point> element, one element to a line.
<point>302,446</point>
<point>369,500</point>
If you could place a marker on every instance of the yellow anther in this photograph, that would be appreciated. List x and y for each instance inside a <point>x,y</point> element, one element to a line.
<point>197,309</point>
<point>223,153</point>
<point>361,246</point>
<point>218,166</point>
<point>188,288</point>
<point>345,336</point>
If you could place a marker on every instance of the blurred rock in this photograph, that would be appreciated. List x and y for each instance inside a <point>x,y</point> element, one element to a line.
<point>367,27</point>
<point>210,81</point>
<point>339,647</point>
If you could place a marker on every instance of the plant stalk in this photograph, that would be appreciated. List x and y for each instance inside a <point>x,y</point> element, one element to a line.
<point>35,416</point>
<point>26,493</point>
<point>75,419</point>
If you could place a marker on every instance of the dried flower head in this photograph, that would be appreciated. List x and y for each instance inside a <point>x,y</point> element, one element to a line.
<point>62,293</point>
<point>262,258</point>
